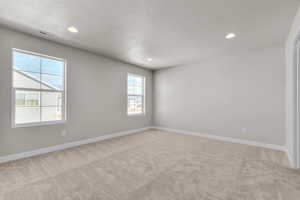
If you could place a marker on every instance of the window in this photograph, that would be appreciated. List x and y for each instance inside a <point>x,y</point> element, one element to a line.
<point>38,89</point>
<point>135,94</point>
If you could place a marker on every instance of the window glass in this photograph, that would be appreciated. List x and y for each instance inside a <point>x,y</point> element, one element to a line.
<point>135,94</point>
<point>50,66</point>
<point>26,62</point>
<point>38,88</point>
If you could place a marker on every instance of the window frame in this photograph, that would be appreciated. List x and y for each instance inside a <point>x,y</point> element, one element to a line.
<point>13,92</point>
<point>144,95</point>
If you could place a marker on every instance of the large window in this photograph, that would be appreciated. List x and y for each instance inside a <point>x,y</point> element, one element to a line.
<point>38,89</point>
<point>135,94</point>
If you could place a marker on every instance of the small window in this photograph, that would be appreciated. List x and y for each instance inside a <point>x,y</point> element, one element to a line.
<point>135,94</point>
<point>38,89</point>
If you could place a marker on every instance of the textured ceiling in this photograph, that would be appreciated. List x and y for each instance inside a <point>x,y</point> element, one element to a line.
<point>171,32</point>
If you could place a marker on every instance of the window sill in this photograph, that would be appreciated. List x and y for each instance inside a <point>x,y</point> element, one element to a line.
<point>38,124</point>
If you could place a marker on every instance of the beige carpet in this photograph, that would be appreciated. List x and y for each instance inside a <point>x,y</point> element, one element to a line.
<point>154,165</point>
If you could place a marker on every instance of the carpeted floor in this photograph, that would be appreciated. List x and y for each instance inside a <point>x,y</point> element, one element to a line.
<point>153,165</point>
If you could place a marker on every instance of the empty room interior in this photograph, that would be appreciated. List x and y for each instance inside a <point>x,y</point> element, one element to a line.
<point>150,100</point>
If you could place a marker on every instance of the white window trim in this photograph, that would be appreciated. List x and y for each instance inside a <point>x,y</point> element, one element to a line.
<point>63,92</point>
<point>144,99</point>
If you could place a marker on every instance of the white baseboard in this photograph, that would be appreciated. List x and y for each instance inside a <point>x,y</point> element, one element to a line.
<point>68,145</point>
<point>123,133</point>
<point>290,157</point>
<point>226,139</point>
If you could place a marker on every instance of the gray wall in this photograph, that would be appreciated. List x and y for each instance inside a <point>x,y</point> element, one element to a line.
<point>291,89</point>
<point>223,96</point>
<point>96,92</point>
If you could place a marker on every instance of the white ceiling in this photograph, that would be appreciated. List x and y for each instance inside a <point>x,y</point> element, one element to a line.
<point>172,32</point>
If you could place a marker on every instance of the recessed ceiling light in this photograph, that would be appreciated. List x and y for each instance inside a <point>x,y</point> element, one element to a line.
<point>73,29</point>
<point>149,59</point>
<point>230,36</point>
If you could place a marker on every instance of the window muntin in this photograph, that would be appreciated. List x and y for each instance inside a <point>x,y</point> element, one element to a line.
<point>135,94</point>
<point>38,89</point>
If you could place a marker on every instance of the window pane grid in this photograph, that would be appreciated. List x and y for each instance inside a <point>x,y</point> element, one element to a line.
<point>135,94</point>
<point>38,88</point>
